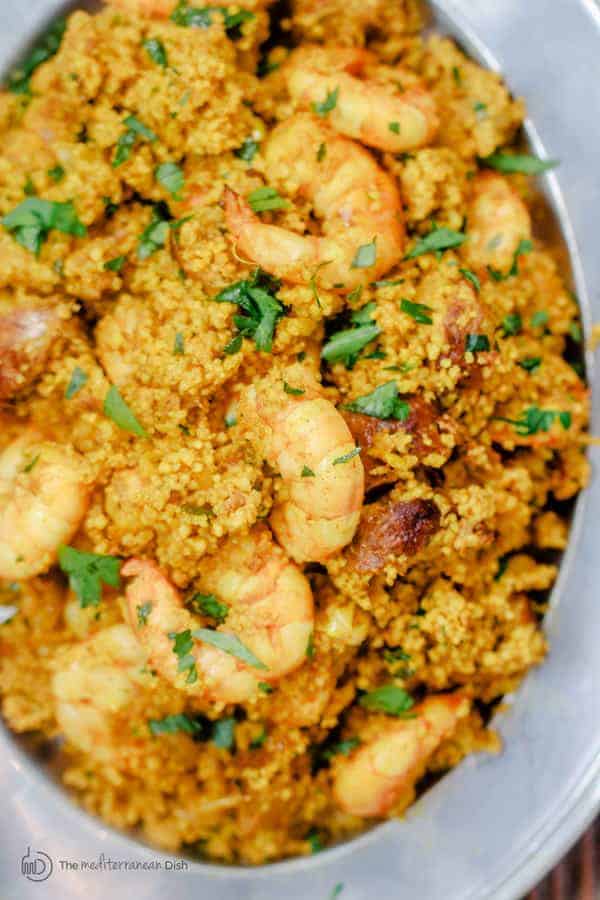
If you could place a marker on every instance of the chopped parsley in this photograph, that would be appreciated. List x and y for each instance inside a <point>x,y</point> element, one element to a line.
<point>31,465</point>
<point>179,345</point>
<point>502,567</point>
<point>539,318</point>
<point>87,572</point>
<point>342,748</point>
<point>307,472</point>
<point>523,163</point>
<point>365,256</point>
<point>183,644</point>
<point>575,332</point>
<point>228,643</point>
<point>531,363</point>
<point>310,647</point>
<point>346,345</point>
<point>171,177</point>
<point>19,78</point>
<point>134,130</point>
<point>248,150</point>
<point>208,605</point>
<point>314,840</point>
<point>143,611</point>
<point>472,277</point>
<point>260,311</point>
<point>525,246</point>
<point>265,199</point>
<point>174,724</point>
<point>387,282</point>
<point>512,324</point>
<point>390,699</point>
<point>230,418</point>
<point>324,107</point>
<point>397,653</point>
<point>420,312</point>
<point>57,173</point>
<point>117,410</point>
<point>77,381</point>
<point>394,127</point>
<point>438,240</point>
<point>340,460</point>
<point>154,236</point>
<point>337,890</point>
<point>480,110</point>
<point>257,742</point>
<point>477,343</point>
<point>223,733</point>
<point>29,187</point>
<point>321,152</point>
<point>31,222</point>
<point>382,403</point>
<point>202,17</point>
<point>533,420</point>
<point>295,392</point>
<point>264,687</point>
<point>116,264</point>
<point>156,51</point>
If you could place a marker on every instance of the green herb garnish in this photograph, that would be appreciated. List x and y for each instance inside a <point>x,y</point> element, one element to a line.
<point>117,410</point>
<point>390,699</point>
<point>143,611</point>
<point>418,311</point>
<point>340,460</point>
<point>382,403</point>
<point>477,343</point>
<point>183,644</point>
<point>438,240</point>
<point>87,572</point>
<point>264,199</point>
<point>156,51</point>
<point>19,78</point>
<point>208,605</point>
<point>512,324</point>
<point>260,308</point>
<point>173,724</point>
<point>31,222</point>
<point>223,734</point>
<point>171,177</point>
<point>523,163</point>
<point>531,363</point>
<point>324,107</point>
<point>228,643</point>
<point>134,130</point>
<point>78,379</point>
<point>248,150</point>
<point>365,256</point>
<point>472,277</point>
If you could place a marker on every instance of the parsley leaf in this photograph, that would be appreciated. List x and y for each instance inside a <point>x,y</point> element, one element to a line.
<point>57,173</point>
<point>134,130</point>
<point>87,572</point>
<point>171,177</point>
<point>525,246</point>
<point>117,410</point>
<point>525,164</point>
<point>179,345</point>
<point>382,403</point>
<point>202,17</point>
<point>323,107</point>
<point>477,343</point>
<point>295,392</point>
<point>342,748</point>
<point>418,311</point>
<point>143,611</point>
<point>19,78</point>
<point>32,220</point>
<point>208,605</point>
<point>394,127</point>
<point>533,420</point>
<point>344,346</point>
<point>257,742</point>
<point>260,307</point>
<point>539,318</point>
<point>321,152</point>
<point>340,460</point>
<point>307,472</point>
<point>228,643</point>
<point>154,236</point>
<point>366,256</point>
<point>116,264</point>
<point>264,687</point>
<point>264,199</point>
<point>248,150</point>
<point>183,644</point>
<point>390,699</point>
<point>156,51</point>
<point>472,277</point>
<point>438,239</point>
<point>78,379</point>
<point>310,647</point>
<point>173,724</point>
<point>531,363</point>
<point>223,735</point>
<point>512,324</point>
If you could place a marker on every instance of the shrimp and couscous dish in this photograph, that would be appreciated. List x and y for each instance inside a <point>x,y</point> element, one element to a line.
<point>292,413</point>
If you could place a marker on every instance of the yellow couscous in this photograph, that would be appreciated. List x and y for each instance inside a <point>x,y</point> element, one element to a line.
<point>291,414</point>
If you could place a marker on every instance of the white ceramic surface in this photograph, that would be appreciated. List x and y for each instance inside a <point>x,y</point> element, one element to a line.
<point>492,827</point>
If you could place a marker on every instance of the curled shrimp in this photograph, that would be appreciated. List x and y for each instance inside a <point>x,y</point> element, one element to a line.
<point>270,612</point>
<point>93,689</point>
<point>377,114</point>
<point>44,490</point>
<point>307,441</point>
<point>358,203</point>
<point>371,781</point>
<point>26,335</point>
<point>497,222</point>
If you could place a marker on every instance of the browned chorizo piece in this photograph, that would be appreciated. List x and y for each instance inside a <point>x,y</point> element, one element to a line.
<point>392,528</point>
<point>26,335</point>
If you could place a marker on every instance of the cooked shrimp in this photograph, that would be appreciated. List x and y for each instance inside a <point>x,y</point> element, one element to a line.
<point>26,335</point>
<point>307,441</point>
<point>44,489</point>
<point>270,613</point>
<point>358,203</point>
<point>94,688</point>
<point>497,222</point>
<point>372,780</point>
<point>377,114</point>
